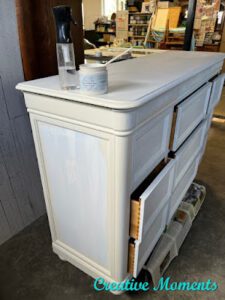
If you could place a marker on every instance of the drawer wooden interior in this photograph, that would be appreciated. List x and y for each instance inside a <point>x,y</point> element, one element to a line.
<point>149,209</point>
<point>136,199</point>
<point>188,114</point>
<point>173,128</point>
<point>131,257</point>
<point>141,250</point>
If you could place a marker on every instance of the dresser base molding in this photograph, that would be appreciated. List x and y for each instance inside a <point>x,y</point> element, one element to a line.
<point>66,254</point>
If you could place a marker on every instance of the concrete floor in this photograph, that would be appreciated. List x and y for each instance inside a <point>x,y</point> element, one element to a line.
<point>29,270</point>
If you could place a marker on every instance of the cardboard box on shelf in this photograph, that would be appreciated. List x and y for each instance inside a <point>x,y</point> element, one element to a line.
<point>212,24</point>
<point>174,16</point>
<point>216,5</point>
<point>209,9</point>
<point>207,24</point>
<point>165,4</point>
<point>106,37</point>
<point>200,39</point>
<point>199,11</point>
<point>197,24</point>
<point>167,16</point>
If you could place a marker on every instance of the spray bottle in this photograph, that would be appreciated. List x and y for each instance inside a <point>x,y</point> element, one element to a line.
<point>64,46</point>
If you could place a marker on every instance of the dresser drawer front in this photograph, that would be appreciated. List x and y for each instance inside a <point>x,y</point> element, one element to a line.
<point>189,114</point>
<point>205,139</point>
<point>151,215</point>
<point>217,87</point>
<point>150,146</point>
<point>182,188</point>
<point>154,199</point>
<point>188,151</point>
<point>209,121</point>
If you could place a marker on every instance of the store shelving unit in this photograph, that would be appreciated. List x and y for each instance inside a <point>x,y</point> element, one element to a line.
<point>105,32</point>
<point>137,27</point>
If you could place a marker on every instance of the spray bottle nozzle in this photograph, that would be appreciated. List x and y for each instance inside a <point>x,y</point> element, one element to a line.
<point>63,18</point>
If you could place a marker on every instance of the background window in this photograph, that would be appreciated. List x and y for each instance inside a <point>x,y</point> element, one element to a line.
<point>111,6</point>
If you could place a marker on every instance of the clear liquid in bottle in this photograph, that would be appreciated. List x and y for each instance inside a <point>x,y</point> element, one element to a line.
<point>66,66</point>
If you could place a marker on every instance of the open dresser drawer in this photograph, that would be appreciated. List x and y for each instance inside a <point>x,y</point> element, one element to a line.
<point>188,114</point>
<point>149,211</point>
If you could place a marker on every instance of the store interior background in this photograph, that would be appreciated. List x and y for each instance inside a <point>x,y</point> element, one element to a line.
<point>168,22</point>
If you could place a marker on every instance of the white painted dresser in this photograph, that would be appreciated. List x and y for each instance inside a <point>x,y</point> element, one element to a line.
<point>115,167</point>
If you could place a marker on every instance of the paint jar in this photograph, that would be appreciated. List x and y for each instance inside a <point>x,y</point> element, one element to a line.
<point>98,53</point>
<point>93,79</point>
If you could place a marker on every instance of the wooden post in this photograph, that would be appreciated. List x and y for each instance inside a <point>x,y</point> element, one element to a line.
<point>190,24</point>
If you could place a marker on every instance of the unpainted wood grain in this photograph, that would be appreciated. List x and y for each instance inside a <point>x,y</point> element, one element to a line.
<point>173,128</point>
<point>134,219</point>
<point>131,256</point>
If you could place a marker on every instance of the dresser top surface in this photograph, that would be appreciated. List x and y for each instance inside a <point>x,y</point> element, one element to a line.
<point>134,82</point>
